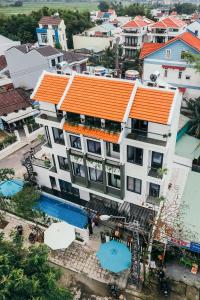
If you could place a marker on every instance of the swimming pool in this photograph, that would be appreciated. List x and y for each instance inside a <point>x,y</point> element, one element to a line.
<point>63,211</point>
<point>11,187</point>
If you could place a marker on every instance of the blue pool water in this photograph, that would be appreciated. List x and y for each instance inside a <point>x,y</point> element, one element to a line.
<point>63,211</point>
<point>11,187</point>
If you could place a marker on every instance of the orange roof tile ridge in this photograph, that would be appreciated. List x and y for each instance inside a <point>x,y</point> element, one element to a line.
<point>66,90</point>
<point>38,83</point>
<point>128,108</point>
<point>105,78</point>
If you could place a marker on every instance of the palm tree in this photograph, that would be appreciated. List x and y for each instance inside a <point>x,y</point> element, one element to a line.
<point>193,111</point>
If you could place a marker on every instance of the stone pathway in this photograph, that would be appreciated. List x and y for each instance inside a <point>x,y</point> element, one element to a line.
<point>83,260</point>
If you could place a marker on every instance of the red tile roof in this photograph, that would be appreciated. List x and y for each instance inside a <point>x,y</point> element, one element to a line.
<point>148,48</point>
<point>98,97</point>
<point>50,20</point>
<point>152,105</point>
<point>186,37</point>
<point>135,23</point>
<point>169,22</point>
<point>51,88</point>
<point>93,133</point>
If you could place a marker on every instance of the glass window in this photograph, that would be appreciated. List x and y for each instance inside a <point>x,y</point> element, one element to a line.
<point>58,136</point>
<point>63,163</point>
<point>154,190</point>
<point>116,148</point>
<point>75,141</point>
<point>79,170</point>
<point>96,175</point>
<point>168,53</point>
<point>66,187</point>
<point>165,73</point>
<point>156,160</point>
<point>114,180</point>
<point>134,155</point>
<point>134,185</point>
<point>180,74</point>
<point>53,62</point>
<point>52,181</point>
<point>94,147</point>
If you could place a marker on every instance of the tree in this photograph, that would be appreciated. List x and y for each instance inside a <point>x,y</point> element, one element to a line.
<point>192,59</point>
<point>25,201</point>
<point>108,58</point>
<point>185,8</point>
<point>26,274</point>
<point>103,6</point>
<point>6,174</point>
<point>193,111</point>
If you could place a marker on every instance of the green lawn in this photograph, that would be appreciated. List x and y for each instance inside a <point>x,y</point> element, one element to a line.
<point>28,7</point>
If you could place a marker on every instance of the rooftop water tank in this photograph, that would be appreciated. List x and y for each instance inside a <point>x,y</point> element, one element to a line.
<point>132,75</point>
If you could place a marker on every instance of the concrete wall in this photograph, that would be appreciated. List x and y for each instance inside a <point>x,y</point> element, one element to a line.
<point>99,43</point>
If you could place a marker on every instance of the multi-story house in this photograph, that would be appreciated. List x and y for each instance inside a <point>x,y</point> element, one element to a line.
<point>97,38</point>
<point>168,60</point>
<point>107,140</point>
<point>26,63</point>
<point>51,31</point>
<point>134,34</point>
<point>103,16</point>
<point>166,29</point>
<point>194,28</point>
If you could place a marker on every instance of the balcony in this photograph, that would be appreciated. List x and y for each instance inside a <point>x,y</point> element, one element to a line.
<point>43,163</point>
<point>155,172</point>
<point>148,137</point>
<point>97,186</point>
<point>153,200</point>
<point>43,118</point>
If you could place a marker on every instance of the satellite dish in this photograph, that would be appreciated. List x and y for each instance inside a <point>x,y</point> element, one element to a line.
<point>153,77</point>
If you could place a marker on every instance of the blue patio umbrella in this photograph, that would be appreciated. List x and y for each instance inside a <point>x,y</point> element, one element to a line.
<point>114,256</point>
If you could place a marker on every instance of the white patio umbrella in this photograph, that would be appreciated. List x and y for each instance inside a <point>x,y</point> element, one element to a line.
<point>59,235</point>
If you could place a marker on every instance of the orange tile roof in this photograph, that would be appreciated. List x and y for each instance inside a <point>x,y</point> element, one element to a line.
<point>148,48</point>
<point>98,97</point>
<point>186,37</point>
<point>51,88</point>
<point>152,105</point>
<point>135,23</point>
<point>93,133</point>
<point>169,22</point>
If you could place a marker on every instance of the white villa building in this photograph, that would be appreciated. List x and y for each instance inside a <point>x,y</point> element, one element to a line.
<point>167,60</point>
<point>134,35</point>
<point>51,31</point>
<point>194,28</point>
<point>166,29</point>
<point>107,140</point>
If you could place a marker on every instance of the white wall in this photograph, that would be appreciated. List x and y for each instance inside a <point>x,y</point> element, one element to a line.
<point>7,45</point>
<point>99,43</point>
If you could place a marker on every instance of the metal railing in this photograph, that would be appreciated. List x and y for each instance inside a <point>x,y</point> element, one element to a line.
<point>148,137</point>
<point>153,172</point>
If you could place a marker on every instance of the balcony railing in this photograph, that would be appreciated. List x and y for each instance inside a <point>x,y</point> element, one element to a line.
<point>148,137</point>
<point>153,200</point>
<point>56,119</point>
<point>154,172</point>
<point>46,164</point>
<point>131,44</point>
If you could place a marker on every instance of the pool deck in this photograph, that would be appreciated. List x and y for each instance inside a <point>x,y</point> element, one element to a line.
<point>77,257</point>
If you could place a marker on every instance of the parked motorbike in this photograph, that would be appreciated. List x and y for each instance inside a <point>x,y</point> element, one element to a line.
<point>114,290</point>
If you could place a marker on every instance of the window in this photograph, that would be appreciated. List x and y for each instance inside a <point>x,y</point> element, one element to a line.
<point>53,62</point>
<point>58,136</point>
<point>180,74</point>
<point>154,190</point>
<point>63,163</point>
<point>94,147</point>
<point>75,141</point>
<point>134,185</point>
<point>165,72</point>
<point>52,181</point>
<point>168,53</point>
<point>46,129</point>
<point>116,148</point>
<point>196,32</point>
<point>156,160</point>
<point>114,180</point>
<point>79,170</point>
<point>134,155</point>
<point>44,38</point>
<point>96,175</point>
<point>187,77</point>
<point>66,187</point>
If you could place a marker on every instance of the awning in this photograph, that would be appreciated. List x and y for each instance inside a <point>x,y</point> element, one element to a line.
<point>59,235</point>
<point>173,67</point>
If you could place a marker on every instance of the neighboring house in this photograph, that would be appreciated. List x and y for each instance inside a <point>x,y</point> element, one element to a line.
<point>194,28</point>
<point>97,38</point>
<point>15,109</point>
<point>117,134</point>
<point>51,31</point>
<point>74,61</point>
<point>166,29</point>
<point>6,43</point>
<point>109,15</point>
<point>3,64</point>
<point>134,34</point>
<point>26,63</point>
<point>167,59</point>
